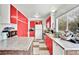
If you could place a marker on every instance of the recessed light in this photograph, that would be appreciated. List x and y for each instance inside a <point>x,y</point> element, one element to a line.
<point>53,10</point>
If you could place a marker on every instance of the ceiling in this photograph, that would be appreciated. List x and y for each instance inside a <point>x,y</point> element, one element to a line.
<point>44,10</point>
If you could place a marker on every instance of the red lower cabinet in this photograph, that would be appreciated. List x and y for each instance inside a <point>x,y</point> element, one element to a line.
<point>32,25</point>
<point>22,17</point>
<point>49,44</point>
<point>32,33</point>
<point>13,15</point>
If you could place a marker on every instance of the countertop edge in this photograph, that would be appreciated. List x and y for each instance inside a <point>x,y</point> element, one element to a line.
<point>59,42</point>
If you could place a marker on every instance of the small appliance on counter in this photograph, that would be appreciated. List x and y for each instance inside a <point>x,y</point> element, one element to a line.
<point>7,32</point>
<point>6,29</point>
<point>32,29</point>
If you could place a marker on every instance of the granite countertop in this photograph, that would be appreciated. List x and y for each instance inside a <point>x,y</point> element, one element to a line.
<point>16,43</point>
<point>64,44</point>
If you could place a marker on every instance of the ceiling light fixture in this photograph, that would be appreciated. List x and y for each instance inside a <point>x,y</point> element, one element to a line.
<point>53,10</point>
<point>37,15</point>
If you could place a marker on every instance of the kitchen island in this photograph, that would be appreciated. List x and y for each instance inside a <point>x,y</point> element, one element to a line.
<point>62,47</point>
<point>16,45</point>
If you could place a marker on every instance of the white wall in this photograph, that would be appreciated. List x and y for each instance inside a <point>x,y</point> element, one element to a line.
<point>0,11</point>
<point>44,24</point>
<point>4,13</point>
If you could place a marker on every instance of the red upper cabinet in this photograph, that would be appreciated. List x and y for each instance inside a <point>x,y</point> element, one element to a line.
<point>21,17</point>
<point>13,11</point>
<point>38,22</point>
<point>22,25</point>
<point>48,22</point>
<point>13,14</point>
<point>22,29</point>
<point>13,20</point>
<point>32,24</point>
<point>32,33</point>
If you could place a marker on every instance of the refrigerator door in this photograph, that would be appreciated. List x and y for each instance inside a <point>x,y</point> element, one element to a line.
<point>38,31</point>
<point>38,27</point>
<point>38,34</point>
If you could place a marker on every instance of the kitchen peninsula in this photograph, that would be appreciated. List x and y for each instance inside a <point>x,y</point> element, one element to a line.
<point>62,47</point>
<point>21,45</point>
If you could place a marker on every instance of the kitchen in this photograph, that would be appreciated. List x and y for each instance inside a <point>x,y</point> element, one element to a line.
<point>35,29</point>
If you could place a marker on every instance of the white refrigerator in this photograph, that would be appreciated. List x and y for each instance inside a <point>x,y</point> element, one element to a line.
<point>38,31</point>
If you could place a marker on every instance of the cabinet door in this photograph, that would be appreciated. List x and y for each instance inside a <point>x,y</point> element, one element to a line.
<point>54,48</point>
<point>48,22</point>
<point>13,11</point>
<point>48,42</point>
<point>22,25</point>
<point>13,14</point>
<point>57,50</point>
<point>50,45</point>
<point>61,50</point>
<point>22,29</point>
<point>32,34</point>
<point>13,20</point>
<point>32,25</point>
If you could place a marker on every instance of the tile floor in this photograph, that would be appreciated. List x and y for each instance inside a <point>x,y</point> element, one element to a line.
<point>39,48</point>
